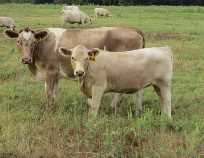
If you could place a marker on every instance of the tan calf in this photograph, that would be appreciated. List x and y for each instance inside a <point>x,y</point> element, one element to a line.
<point>122,72</point>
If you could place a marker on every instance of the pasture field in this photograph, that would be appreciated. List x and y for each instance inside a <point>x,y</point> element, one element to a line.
<point>26,132</point>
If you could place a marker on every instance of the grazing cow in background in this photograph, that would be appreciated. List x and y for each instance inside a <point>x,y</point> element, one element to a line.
<point>7,22</point>
<point>39,50</point>
<point>102,12</point>
<point>101,71</point>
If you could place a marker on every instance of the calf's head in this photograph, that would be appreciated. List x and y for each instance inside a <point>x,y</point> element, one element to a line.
<point>80,58</point>
<point>26,41</point>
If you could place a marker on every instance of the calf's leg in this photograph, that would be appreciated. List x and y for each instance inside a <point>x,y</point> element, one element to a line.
<point>164,93</point>
<point>116,99</point>
<point>138,97</point>
<point>97,94</point>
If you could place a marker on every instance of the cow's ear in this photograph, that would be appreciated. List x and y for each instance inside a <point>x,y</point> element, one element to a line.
<point>41,35</point>
<point>93,53</point>
<point>65,52</point>
<point>11,33</point>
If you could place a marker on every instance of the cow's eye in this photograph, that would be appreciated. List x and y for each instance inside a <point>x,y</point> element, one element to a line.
<point>73,58</point>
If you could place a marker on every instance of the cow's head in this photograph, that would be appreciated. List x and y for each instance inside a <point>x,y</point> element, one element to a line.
<point>26,40</point>
<point>80,57</point>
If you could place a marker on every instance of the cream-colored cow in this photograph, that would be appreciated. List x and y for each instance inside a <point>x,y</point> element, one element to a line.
<point>7,22</point>
<point>101,71</point>
<point>76,16</point>
<point>102,12</point>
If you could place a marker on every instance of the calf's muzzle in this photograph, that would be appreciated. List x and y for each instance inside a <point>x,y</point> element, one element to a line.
<point>79,73</point>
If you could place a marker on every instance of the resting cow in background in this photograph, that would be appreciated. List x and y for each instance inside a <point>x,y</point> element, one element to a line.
<point>102,12</point>
<point>7,22</point>
<point>39,50</point>
<point>101,71</point>
<point>76,16</point>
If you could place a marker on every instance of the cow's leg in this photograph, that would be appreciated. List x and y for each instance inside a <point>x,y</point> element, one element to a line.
<point>116,99</point>
<point>165,95</point>
<point>97,94</point>
<point>89,100</point>
<point>51,86</point>
<point>157,90</point>
<point>138,97</point>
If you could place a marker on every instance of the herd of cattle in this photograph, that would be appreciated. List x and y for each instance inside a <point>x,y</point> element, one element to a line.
<point>105,59</point>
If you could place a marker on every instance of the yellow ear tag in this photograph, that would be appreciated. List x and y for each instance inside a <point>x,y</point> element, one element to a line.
<point>92,58</point>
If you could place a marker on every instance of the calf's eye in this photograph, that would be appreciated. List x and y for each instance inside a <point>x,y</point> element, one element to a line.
<point>73,58</point>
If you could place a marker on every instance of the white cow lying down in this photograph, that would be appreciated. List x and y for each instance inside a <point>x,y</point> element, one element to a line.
<point>7,22</point>
<point>102,12</point>
<point>101,71</point>
<point>75,16</point>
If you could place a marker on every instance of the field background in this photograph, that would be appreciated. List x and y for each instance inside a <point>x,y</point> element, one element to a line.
<point>26,132</point>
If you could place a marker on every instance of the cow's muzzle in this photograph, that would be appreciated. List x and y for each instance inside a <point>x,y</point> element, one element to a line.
<point>27,60</point>
<point>79,73</point>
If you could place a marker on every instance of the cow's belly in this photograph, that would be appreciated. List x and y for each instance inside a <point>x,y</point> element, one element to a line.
<point>128,83</point>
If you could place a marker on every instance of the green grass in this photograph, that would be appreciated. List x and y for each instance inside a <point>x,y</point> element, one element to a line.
<point>26,132</point>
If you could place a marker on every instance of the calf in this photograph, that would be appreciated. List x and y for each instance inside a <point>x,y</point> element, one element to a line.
<point>101,71</point>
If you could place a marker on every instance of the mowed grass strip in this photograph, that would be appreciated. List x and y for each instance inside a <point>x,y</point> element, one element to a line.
<point>25,131</point>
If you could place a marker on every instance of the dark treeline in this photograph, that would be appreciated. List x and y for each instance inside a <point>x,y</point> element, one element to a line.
<point>112,2</point>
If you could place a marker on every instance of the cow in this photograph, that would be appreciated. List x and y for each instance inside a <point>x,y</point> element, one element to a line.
<point>100,72</point>
<point>7,22</point>
<point>76,16</point>
<point>101,12</point>
<point>39,50</point>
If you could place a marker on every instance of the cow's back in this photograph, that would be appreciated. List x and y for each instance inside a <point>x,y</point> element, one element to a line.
<point>124,39</point>
<point>132,70</point>
<point>110,38</point>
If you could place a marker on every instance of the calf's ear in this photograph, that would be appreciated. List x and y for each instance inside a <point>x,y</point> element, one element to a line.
<point>65,52</point>
<point>93,53</point>
<point>11,33</point>
<point>41,35</point>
